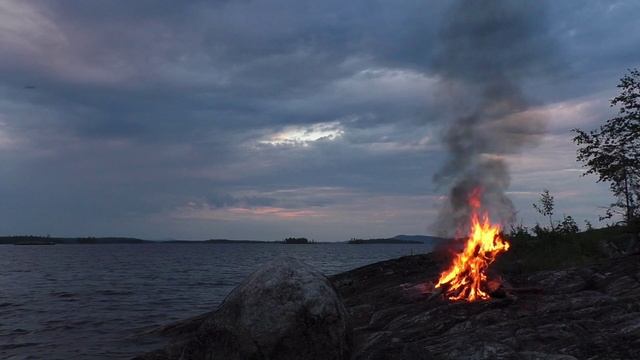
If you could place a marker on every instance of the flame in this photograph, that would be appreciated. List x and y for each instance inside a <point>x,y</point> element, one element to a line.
<point>466,277</point>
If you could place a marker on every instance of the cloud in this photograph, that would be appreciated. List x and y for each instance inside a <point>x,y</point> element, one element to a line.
<point>222,200</point>
<point>123,113</point>
<point>241,213</point>
<point>303,135</point>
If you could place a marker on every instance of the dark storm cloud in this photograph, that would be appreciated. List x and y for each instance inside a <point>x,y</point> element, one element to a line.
<point>158,69</point>
<point>119,112</point>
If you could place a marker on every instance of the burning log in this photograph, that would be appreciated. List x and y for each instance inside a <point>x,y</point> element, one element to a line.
<point>496,289</point>
<point>435,294</point>
<point>466,278</point>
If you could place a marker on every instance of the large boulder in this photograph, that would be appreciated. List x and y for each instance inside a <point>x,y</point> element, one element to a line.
<point>284,310</point>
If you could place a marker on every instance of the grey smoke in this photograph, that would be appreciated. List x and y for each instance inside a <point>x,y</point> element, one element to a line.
<point>488,49</point>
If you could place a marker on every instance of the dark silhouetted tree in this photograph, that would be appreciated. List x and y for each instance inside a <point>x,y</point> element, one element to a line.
<point>545,206</point>
<point>568,226</point>
<point>613,153</point>
<point>587,223</point>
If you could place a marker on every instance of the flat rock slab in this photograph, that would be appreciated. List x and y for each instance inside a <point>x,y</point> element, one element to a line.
<point>591,312</point>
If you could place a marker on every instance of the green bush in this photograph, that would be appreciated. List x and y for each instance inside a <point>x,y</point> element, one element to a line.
<point>556,249</point>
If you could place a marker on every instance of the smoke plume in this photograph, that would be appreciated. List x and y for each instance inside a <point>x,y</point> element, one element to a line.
<point>487,50</point>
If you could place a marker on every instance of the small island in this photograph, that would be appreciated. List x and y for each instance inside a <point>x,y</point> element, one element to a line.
<point>296,240</point>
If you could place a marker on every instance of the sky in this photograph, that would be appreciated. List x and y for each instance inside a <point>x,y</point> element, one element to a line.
<point>266,119</point>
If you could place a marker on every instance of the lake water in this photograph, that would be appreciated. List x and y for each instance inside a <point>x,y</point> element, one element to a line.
<point>94,301</point>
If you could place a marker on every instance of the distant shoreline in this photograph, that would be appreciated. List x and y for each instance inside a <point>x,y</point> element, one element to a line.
<point>382,241</point>
<point>47,240</point>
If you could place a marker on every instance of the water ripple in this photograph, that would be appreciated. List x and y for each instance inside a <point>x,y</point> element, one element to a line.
<point>96,302</point>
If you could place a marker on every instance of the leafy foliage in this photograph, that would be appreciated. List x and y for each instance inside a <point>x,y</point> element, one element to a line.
<point>612,152</point>
<point>546,250</point>
<point>568,226</point>
<point>588,225</point>
<point>519,232</point>
<point>545,206</point>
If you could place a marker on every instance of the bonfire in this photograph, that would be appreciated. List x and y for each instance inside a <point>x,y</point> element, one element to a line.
<point>466,278</point>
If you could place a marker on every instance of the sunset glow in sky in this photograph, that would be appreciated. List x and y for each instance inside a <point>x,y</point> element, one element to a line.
<point>265,119</point>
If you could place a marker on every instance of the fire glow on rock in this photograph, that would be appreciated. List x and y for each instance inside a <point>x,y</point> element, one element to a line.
<point>466,277</point>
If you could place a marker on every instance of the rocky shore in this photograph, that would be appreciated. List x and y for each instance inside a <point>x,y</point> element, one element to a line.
<point>386,311</point>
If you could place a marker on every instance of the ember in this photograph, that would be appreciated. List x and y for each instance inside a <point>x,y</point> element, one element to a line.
<point>466,278</point>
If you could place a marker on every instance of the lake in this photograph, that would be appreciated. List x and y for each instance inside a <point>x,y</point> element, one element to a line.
<point>95,301</point>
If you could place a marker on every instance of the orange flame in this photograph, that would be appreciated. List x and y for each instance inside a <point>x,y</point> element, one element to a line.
<point>467,276</point>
